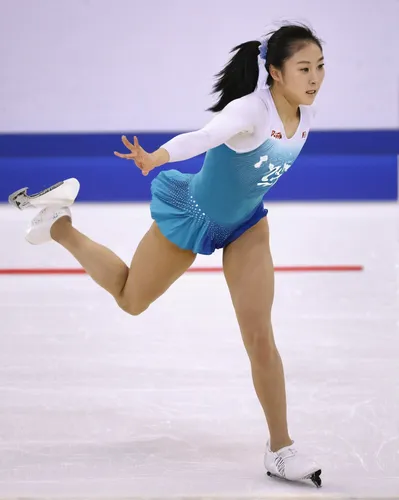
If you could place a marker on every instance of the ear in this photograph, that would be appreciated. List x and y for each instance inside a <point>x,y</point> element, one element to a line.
<point>275,73</point>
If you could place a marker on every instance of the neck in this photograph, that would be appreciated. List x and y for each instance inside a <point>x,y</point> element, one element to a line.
<point>286,109</point>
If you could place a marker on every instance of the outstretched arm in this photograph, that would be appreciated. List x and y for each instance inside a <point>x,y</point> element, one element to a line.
<point>236,117</point>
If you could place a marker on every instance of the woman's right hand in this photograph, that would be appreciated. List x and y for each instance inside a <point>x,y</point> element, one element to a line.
<point>144,161</point>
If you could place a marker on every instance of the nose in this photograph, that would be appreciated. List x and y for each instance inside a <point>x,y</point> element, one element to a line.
<point>313,78</point>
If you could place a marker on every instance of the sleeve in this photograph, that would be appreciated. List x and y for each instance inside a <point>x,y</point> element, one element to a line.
<point>237,117</point>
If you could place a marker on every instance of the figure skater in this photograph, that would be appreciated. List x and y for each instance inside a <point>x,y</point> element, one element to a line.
<point>260,124</point>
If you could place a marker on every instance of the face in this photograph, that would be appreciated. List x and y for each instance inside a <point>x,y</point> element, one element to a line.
<point>302,75</point>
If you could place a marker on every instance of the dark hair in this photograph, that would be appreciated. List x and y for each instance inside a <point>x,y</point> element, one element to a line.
<point>240,76</point>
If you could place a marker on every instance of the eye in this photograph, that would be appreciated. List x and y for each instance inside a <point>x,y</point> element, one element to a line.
<point>321,66</point>
<point>305,70</point>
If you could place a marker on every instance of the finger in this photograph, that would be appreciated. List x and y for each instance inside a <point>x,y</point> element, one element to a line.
<point>127,143</point>
<point>136,142</point>
<point>146,171</point>
<point>120,155</point>
<point>128,156</point>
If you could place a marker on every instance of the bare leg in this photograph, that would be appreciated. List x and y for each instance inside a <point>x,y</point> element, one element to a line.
<point>156,264</point>
<point>249,272</point>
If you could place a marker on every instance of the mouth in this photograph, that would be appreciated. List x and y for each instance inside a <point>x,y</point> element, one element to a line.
<point>311,92</point>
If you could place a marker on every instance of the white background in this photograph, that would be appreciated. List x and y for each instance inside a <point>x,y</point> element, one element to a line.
<point>124,65</point>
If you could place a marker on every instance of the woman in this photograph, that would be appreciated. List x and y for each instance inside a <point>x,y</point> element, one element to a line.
<point>262,121</point>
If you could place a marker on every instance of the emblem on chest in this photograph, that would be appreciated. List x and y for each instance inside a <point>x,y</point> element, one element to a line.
<point>274,171</point>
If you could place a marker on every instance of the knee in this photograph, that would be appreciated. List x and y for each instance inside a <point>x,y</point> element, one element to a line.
<point>131,305</point>
<point>260,345</point>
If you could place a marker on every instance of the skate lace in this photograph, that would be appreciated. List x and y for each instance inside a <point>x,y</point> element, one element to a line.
<point>280,460</point>
<point>288,452</point>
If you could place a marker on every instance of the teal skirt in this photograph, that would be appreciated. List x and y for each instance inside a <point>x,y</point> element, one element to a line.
<point>182,221</point>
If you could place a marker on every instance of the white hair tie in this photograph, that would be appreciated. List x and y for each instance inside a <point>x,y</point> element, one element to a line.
<point>263,74</point>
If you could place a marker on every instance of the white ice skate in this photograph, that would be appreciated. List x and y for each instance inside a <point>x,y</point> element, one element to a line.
<point>39,229</point>
<point>61,194</point>
<point>287,463</point>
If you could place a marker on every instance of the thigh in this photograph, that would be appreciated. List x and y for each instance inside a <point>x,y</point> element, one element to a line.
<point>248,268</point>
<point>156,265</point>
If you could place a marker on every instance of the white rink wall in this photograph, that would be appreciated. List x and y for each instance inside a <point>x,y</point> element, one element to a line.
<point>73,65</point>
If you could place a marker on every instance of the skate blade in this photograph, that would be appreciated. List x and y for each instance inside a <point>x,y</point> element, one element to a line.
<point>63,193</point>
<point>314,477</point>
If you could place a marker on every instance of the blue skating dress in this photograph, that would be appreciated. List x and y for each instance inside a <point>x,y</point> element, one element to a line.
<point>208,210</point>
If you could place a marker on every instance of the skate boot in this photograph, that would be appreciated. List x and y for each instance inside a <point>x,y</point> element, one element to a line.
<point>39,229</point>
<point>287,463</point>
<point>62,194</point>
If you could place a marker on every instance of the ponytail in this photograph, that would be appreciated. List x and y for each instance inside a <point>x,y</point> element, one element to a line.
<point>239,77</point>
